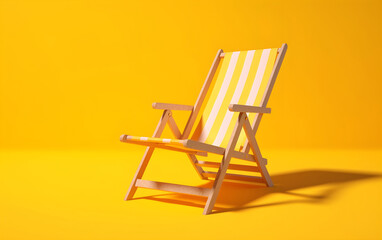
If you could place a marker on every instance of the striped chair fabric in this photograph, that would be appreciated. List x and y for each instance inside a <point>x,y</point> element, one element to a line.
<point>242,79</point>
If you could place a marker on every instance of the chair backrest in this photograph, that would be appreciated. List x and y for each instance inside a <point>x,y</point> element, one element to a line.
<point>243,78</point>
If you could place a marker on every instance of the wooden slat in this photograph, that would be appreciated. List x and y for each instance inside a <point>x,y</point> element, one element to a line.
<point>171,106</point>
<point>170,187</point>
<point>248,108</point>
<point>203,147</point>
<point>222,55</point>
<point>243,156</point>
<point>248,157</point>
<point>231,166</point>
<point>237,177</point>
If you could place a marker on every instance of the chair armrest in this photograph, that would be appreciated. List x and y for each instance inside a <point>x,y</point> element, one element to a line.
<point>248,108</point>
<point>170,106</point>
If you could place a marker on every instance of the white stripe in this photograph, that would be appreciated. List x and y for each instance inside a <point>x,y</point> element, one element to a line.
<point>165,140</point>
<point>215,109</point>
<point>259,76</point>
<point>235,98</point>
<point>143,138</point>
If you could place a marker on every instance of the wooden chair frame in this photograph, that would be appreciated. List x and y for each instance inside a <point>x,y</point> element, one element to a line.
<point>199,148</point>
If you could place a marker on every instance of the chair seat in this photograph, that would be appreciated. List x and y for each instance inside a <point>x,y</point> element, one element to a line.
<point>183,145</point>
<point>166,143</point>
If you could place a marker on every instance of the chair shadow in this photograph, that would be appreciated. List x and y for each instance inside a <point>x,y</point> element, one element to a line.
<point>236,196</point>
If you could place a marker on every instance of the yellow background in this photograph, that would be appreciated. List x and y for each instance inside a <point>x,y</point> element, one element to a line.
<point>75,75</point>
<point>80,73</point>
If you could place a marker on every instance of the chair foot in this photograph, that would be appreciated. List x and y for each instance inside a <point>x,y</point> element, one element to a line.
<point>130,193</point>
<point>212,197</point>
<point>208,209</point>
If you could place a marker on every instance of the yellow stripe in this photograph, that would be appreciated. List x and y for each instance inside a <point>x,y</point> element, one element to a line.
<point>196,129</point>
<point>263,87</point>
<point>267,74</point>
<point>215,92</point>
<point>227,98</point>
<point>244,95</point>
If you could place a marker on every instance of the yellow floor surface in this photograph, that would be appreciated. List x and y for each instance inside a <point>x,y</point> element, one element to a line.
<point>318,194</point>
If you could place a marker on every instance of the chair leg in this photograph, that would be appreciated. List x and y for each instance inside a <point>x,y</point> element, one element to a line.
<point>146,157</point>
<point>224,165</point>
<point>257,153</point>
<point>263,168</point>
<point>216,187</point>
<point>139,173</point>
<point>265,174</point>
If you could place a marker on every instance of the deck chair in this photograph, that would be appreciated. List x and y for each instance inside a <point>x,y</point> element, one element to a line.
<point>226,125</point>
